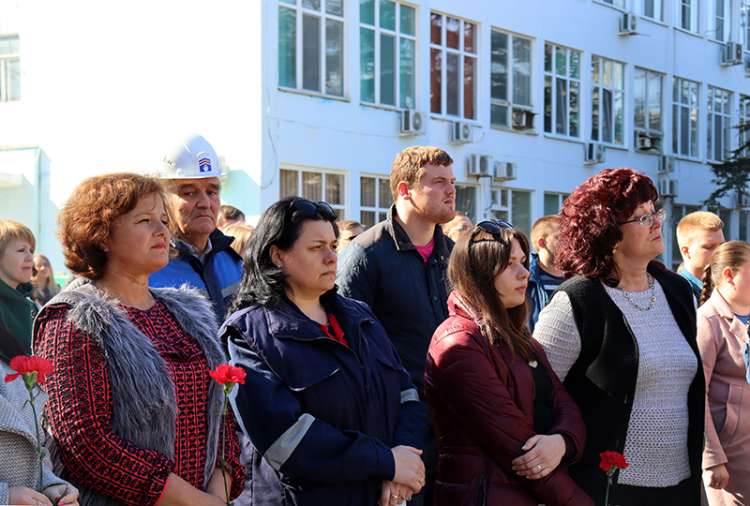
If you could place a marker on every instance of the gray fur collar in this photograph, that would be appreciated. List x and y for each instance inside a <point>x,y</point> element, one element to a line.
<point>144,403</point>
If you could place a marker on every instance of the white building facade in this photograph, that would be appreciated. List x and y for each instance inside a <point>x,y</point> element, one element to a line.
<point>530,98</point>
<point>315,98</point>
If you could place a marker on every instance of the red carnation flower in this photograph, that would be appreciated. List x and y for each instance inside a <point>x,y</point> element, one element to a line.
<point>33,369</point>
<point>225,373</point>
<point>611,461</point>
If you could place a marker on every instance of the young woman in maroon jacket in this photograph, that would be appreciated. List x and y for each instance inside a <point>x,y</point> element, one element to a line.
<point>506,427</point>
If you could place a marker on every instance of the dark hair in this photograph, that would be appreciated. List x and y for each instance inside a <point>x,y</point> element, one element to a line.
<point>262,281</point>
<point>474,263</point>
<point>86,220</point>
<point>231,213</point>
<point>590,221</point>
<point>732,254</point>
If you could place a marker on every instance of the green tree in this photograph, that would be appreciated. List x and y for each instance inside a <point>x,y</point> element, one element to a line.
<point>731,176</point>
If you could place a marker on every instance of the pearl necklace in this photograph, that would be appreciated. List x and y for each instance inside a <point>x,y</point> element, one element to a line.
<point>652,299</point>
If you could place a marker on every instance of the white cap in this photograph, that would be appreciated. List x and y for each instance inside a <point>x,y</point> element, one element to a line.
<point>194,158</point>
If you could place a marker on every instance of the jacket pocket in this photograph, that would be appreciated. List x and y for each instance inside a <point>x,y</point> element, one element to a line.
<point>732,413</point>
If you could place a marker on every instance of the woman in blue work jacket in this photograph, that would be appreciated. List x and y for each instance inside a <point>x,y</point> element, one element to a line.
<point>332,416</point>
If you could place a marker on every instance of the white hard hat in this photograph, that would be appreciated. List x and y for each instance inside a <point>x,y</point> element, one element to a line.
<point>194,158</point>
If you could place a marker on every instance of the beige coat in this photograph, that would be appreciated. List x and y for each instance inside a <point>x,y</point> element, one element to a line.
<point>721,337</point>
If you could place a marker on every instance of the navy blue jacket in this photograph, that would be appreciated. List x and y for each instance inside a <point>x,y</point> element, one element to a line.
<point>218,275</point>
<point>383,268</point>
<point>321,416</point>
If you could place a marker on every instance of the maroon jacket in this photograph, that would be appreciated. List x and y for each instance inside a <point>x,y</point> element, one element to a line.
<point>482,401</point>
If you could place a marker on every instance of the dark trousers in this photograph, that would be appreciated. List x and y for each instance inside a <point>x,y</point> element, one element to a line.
<point>678,495</point>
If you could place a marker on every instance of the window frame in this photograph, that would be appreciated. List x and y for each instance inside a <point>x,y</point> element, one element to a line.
<point>598,84</point>
<point>340,208</point>
<point>726,21</point>
<point>510,102</point>
<point>6,76</point>
<point>726,122</point>
<point>398,35</point>
<point>658,10</point>
<point>745,24</point>
<point>560,196</point>
<point>377,208</point>
<point>694,16</point>
<point>744,116</point>
<point>474,213</point>
<point>462,55</point>
<point>299,13</point>
<point>677,125</point>
<point>554,77</point>
<point>648,128</point>
<point>505,212</point>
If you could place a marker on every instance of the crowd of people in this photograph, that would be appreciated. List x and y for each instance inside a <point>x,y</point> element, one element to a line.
<point>424,359</point>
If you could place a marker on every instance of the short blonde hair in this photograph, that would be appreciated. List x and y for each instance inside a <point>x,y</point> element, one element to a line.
<point>241,233</point>
<point>12,230</point>
<point>543,227</point>
<point>409,165</point>
<point>698,220</point>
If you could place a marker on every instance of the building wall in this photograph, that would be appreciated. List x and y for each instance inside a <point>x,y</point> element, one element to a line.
<point>342,135</point>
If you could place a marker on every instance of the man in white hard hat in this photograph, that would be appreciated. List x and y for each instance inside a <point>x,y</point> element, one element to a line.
<point>204,257</point>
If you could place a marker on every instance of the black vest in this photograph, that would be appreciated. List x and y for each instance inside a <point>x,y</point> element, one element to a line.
<point>602,380</point>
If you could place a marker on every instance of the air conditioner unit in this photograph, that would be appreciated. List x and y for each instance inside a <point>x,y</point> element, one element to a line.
<point>593,153</point>
<point>666,164</point>
<point>460,132</point>
<point>522,119</point>
<point>410,122</point>
<point>747,66</point>
<point>478,165</point>
<point>667,188</point>
<point>643,142</point>
<point>731,54</point>
<point>503,171</point>
<point>628,24</point>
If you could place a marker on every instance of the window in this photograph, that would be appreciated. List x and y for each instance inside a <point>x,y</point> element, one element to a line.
<point>453,66</point>
<point>726,218</point>
<point>647,91</point>
<point>10,69</point>
<point>553,202</point>
<point>607,100</point>
<point>510,78</point>
<point>650,9</point>
<point>688,15</point>
<point>743,225</point>
<point>374,199</point>
<point>620,4</point>
<point>678,212</point>
<point>685,117</point>
<point>562,90</point>
<point>311,45</point>
<point>314,185</point>
<point>745,120</point>
<point>387,45</point>
<point>513,206</point>
<point>745,24</point>
<point>466,201</point>
<point>719,123</point>
<point>721,21</point>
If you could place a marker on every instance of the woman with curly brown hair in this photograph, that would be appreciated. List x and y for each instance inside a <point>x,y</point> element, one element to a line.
<point>621,335</point>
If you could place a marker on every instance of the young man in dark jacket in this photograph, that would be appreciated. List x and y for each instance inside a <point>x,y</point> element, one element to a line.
<point>544,277</point>
<point>398,266</point>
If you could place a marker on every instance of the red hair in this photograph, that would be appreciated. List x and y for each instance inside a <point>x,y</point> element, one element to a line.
<point>590,221</point>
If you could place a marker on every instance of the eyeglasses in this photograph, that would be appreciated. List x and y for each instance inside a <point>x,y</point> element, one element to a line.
<point>492,227</point>
<point>647,220</point>
<point>308,209</point>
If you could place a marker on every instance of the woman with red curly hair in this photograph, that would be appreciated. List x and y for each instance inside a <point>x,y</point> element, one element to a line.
<point>621,334</point>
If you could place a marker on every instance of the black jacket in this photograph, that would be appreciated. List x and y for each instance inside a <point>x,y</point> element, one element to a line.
<point>603,378</point>
<point>410,298</point>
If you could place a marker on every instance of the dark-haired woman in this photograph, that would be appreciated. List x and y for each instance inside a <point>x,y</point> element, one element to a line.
<point>506,427</point>
<point>622,337</point>
<point>332,415</point>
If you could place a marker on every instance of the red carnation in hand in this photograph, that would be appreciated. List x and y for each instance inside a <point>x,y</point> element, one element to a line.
<point>225,374</point>
<point>33,369</point>
<point>611,461</point>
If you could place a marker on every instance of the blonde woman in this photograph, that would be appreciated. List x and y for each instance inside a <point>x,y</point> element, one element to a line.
<point>723,342</point>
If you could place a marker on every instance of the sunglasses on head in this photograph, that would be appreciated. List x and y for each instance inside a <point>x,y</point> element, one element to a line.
<point>492,227</point>
<point>303,208</point>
